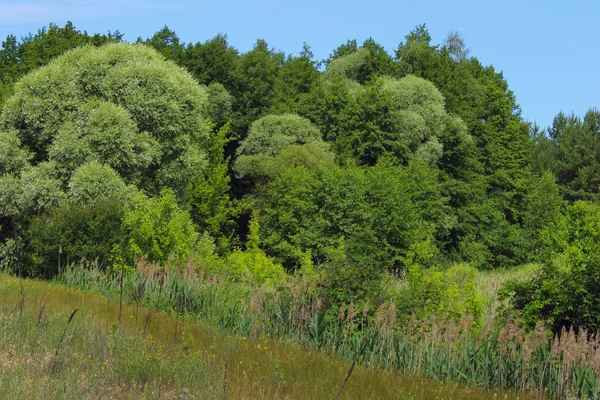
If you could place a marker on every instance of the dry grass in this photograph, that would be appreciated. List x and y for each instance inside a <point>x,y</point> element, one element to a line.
<point>489,282</point>
<point>167,357</point>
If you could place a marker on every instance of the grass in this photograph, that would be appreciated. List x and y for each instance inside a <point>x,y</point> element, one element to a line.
<point>155,355</point>
<point>493,357</point>
<point>489,282</point>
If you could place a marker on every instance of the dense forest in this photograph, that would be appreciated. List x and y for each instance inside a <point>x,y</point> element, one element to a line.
<point>370,175</point>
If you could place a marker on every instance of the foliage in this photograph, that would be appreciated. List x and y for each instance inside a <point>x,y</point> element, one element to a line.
<point>17,58</point>
<point>94,180</point>
<point>575,153</point>
<point>211,207</point>
<point>254,263</point>
<point>76,231</point>
<point>419,165</point>
<point>255,74</point>
<point>371,210</point>
<point>449,293</point>
<point>159,229</point>
<point>263,149</point>
<point>296,78</point>
<point>348,275</point>
<point>565,293</point>
<point>544,206</point>
<point>166,42</point>
<point>120,104</point>
<point>213,61</point>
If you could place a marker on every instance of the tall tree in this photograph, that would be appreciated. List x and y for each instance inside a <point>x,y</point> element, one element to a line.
<point>166,42</point>
<point>18,58</point>
<point>213,61</point>
<point>577,155</point>
<point>255,73</point>
<point>297,77</point>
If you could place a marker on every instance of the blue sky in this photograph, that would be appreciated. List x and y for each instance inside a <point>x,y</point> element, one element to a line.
<point>549,51</point>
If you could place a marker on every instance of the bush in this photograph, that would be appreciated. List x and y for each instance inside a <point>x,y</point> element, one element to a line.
<point>253,263</point>
<point>449,293</point>
<point>75,231</point>
<point>567,291</point>
<point>158,228</point>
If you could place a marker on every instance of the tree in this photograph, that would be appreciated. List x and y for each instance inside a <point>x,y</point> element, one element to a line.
<point>567,291</point>
<point>577,154</point>
<point>211,207</point>
<point>497,174</point>
<point>166,42</point>
<point>75,231</point>
<point>121,105</point>
<point>297,77</point>
<point>158,228</point>
<point>213,61</point>
<point>100,122</point>
<point>255,75</point>
<point>270,136</point>
<point>416,55</point>
<point>401,118</point>
<point>18,58</point>
<point>219,104</point>
<point>372,211</point>
<point>359,64</point>
<point>544,206</point>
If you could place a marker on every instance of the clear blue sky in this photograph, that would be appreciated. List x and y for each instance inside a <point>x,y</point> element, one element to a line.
<point>548,50</point>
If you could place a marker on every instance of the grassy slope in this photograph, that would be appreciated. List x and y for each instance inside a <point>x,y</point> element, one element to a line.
<point>170,359</point>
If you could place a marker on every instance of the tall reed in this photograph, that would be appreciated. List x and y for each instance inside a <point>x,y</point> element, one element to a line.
<point>506,358</point>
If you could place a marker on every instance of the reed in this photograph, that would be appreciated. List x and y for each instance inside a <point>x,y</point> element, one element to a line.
<point>108,360</point>
<point>437,348</point>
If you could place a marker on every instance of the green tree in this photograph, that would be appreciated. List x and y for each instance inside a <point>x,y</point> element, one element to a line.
<point>544,204</point>
<point>359,63</point>
<point>297,77</point>
<point>211,208</point>
<point>577,155</point>
<point>75,231</point>
<point>19,58</point>
<point>567,291</point>
<point>219,104</point>
<point>166,42</point>
<point>495,172</point>
<point>255,75</point>
<point>213,61</point>
<point>94,121</point>
<point>158,228</point>
<point>263,148</point>
<point>121,105</point>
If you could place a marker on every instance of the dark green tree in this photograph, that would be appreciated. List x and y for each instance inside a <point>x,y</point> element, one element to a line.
<point>166,42</point>
<point>577,152</point>
<point>297,77</point>
<point>255,75</point>
<point>213,61</point>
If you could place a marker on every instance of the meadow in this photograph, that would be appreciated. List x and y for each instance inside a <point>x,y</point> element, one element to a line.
<point>153,354</point>
<point>498,358</point>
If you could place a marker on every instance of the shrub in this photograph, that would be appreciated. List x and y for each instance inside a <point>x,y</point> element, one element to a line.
<point>567,291</point>
<point>75,231</point>
<point>158,228</point>
<point>449,293</point>
<point>253,263</point>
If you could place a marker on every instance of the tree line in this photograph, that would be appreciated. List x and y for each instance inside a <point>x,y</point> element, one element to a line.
<point>264,165</point>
